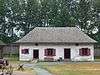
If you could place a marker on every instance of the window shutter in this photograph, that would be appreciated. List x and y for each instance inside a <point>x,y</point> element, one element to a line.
<point>84,52</point>
<point>54,52</point>
<point>80,52</point>
<point>25,51</point>
<point>45,50</point>
<point>49,52</point>
<point>22,51</point>
<point>89,52</point>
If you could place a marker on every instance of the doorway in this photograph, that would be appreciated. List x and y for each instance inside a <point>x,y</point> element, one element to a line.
<point>67,53</point>
<point>35,54</point>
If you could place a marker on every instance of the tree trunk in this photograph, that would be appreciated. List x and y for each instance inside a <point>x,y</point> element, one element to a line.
<point>1,51</point>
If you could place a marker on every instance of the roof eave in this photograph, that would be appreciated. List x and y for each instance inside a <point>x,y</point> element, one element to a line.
<point>55,42</point>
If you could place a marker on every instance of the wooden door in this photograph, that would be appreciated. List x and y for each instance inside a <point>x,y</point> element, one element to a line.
<point>67,53</point>
<point>35,54</point>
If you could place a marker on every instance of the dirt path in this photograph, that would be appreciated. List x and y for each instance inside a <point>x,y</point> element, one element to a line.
<point>21,73</point>
<point>38,69</point>
<point>41,71</point>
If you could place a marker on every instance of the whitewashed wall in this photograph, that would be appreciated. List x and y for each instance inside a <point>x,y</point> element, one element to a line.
<point>59,52</point>
<point>75,53</point>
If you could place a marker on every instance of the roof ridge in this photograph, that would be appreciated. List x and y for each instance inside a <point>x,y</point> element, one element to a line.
<point>55,27</point>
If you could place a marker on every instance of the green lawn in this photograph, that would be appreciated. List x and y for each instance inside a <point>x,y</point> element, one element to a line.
<point>26,71</point>
<point>75,69</point>
<point>64,69</point>
<point>97,58</point>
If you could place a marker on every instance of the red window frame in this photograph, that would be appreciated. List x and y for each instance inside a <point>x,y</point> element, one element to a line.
<point>50,52</point>
<point>84,52</point>
<point>25,51</point>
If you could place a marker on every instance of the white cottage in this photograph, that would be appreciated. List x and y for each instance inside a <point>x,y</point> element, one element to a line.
<point>53,43</point>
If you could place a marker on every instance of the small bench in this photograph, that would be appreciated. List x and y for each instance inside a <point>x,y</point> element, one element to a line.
<point>49,59</point>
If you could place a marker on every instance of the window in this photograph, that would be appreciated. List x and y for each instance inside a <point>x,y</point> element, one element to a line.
<point>50,52</point>
<point>25,51</point>
<point>84,52</point>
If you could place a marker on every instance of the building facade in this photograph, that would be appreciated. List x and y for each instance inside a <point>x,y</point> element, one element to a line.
<point>52,44</point>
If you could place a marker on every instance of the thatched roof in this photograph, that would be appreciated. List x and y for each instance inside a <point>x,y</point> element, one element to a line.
<point>56,35</point>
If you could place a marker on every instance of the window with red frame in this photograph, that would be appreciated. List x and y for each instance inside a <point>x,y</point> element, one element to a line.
<point>50,52</point>
<point>25,51</point>
<point>84,52</point>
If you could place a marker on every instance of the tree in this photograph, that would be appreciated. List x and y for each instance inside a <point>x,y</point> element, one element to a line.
<point>21,16</point>
<point>85,16</point>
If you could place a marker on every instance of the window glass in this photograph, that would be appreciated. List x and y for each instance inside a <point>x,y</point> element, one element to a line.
<point>84,52</point>
<point>25,51</point>
<point>50,52</point>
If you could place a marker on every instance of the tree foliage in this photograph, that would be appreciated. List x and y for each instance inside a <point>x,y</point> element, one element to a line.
<point>18,17</point>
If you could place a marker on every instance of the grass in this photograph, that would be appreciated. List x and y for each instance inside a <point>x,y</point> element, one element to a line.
<point>64,69</point>
<point>97,58</point>
<point>12,57</point>
<point>27,70</point>
<point>14,61</point>
<point>75,69</point>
